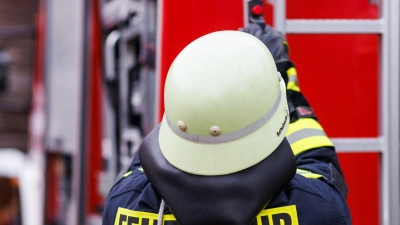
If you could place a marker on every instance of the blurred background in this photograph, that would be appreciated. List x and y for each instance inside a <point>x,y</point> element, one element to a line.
<point>81,83</point>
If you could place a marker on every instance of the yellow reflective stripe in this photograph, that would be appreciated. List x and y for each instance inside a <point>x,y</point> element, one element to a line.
<point>319,139</point>
<point>303,123</point>
<point>308,174</point>
<point>291,72</point>
<point>287,46</point>
<point>292,85</point>
<point>127,174</point>
<point>127,216</point>
<point>278,216</point>
<point>141,169</point>
<point>310,143</point>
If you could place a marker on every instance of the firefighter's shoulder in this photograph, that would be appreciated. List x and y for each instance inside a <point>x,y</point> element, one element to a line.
<point>133,191</point>
<point>314,200</point>
<point>134,180</point>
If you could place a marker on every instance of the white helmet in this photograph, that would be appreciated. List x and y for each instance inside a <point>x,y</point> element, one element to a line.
<point>225,105</point>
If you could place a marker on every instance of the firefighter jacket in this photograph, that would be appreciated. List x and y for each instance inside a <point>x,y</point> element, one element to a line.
<point>316,195</point>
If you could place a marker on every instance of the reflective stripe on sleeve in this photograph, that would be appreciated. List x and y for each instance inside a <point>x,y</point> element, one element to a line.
<point>308,174</point>
<point>306,134</point>
<point>292,79</point>
<point>127,174</point>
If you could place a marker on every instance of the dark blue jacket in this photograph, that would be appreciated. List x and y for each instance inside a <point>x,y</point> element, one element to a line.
<point>316,195</point>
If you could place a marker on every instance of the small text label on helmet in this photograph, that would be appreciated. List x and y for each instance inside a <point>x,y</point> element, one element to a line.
<point>283,124</point>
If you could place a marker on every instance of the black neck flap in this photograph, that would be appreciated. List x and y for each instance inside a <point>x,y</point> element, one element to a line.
<point>234,199</point>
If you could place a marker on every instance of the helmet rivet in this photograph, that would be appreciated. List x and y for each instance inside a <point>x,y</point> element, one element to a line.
<point>215,131</point>
<point>279,76</point>
<point>181,125</point>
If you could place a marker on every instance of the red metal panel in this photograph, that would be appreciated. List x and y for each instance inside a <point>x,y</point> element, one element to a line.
<point>268,13</point>
<point>184,21</point>
<point>328,9</point>
<point>94,116</point>
<point>339,76</point>
<point>361,173</point>
<point>52,192</point>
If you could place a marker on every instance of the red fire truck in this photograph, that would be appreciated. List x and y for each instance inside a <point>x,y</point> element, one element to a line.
<point>101,66</point>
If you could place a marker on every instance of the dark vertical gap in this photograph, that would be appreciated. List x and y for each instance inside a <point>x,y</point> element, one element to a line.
<point>117,107</point>
<point>84,114</point>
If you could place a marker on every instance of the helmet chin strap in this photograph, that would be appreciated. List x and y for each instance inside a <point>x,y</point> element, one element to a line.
<point>161,213</point>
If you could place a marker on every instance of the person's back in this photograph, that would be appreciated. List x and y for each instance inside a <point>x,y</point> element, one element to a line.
<point>220,155</point>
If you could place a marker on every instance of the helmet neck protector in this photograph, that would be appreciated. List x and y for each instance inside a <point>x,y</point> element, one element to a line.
<point>233,199</point>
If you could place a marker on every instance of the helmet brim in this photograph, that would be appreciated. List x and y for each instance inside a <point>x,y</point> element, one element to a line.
<point>230,157</point>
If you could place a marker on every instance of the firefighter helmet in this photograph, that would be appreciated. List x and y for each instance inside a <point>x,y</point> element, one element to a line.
<point>225,105</point>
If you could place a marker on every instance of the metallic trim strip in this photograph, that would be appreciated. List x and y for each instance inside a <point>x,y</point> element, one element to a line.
<point>280,16</point>
<point>245,13</point>
<point>158,85</point>
<point>111,42</point>
<point>342,26</point>
<point>389,113</point>
<point>358,145</point>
